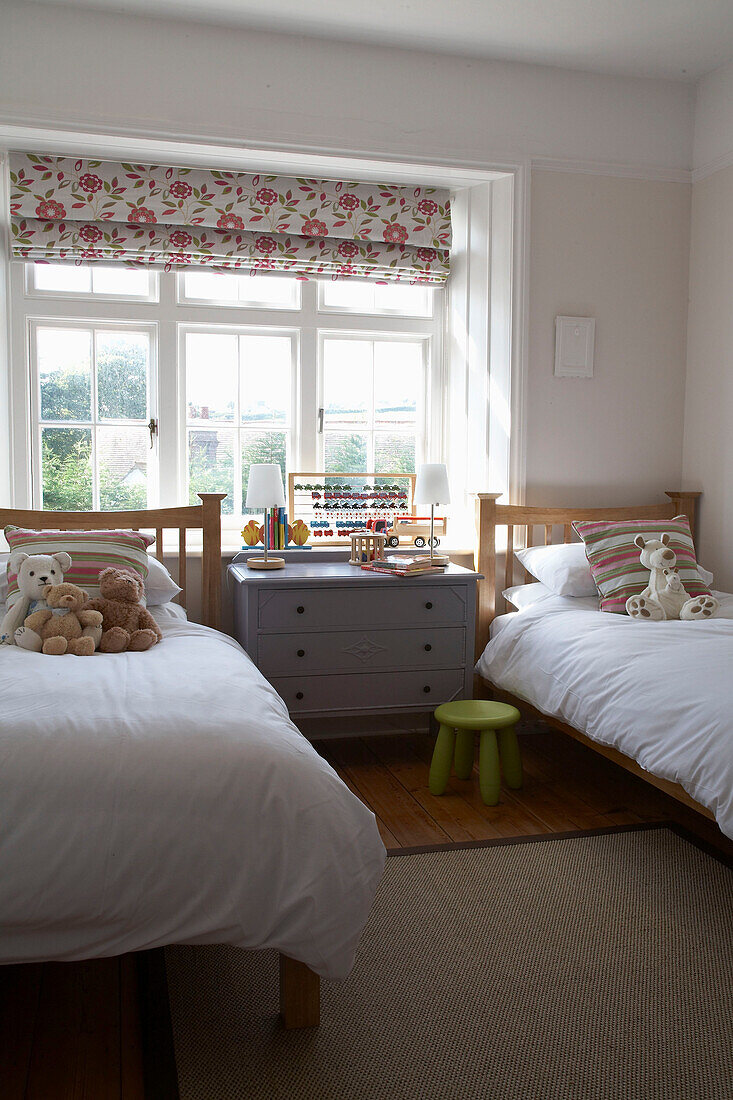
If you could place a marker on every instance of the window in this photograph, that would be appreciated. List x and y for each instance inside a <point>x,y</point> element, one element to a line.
<point>146,388</point>
<point>238,388</point>
<point>373,403</point>
<point>92,406</point>
<point>100,282</point>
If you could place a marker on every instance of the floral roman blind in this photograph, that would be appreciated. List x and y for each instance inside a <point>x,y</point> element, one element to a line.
<point>82,211</point>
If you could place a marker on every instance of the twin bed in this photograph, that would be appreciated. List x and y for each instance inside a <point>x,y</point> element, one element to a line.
<point>655,697</point>
<point>166,797</point>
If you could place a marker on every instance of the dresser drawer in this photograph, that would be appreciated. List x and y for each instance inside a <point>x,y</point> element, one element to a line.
<point>369,691</point>
<point>404,603</point>
<point>360,651</point>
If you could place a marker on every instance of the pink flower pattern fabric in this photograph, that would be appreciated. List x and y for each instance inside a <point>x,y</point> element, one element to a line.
<point>165,216</point>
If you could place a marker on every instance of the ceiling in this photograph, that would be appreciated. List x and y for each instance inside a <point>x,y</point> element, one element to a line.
<point>674,39</point>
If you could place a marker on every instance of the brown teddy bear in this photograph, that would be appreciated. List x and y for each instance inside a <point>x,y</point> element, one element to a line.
<point>67,625</point>
<point>126,624</point>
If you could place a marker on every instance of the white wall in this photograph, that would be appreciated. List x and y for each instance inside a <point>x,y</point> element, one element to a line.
<point>616,250</point>
<point>612,247</point>
<point>713,121</point>
<point>123,74</point>
<point>708,437</point>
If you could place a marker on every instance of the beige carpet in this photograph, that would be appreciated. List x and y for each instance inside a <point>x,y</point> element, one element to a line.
<point>591,968</point>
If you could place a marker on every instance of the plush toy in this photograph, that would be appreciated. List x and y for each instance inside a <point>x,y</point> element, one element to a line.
<point>62,623</point>
<point>34,573</point>
<point>665,596</point>
<point>126,624</point>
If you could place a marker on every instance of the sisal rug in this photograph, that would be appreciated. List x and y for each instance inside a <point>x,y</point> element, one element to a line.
<point>595,967</point>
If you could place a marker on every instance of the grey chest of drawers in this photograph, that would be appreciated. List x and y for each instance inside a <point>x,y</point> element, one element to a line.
<point>335,640</point>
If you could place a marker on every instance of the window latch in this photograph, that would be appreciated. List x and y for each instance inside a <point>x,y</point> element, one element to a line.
<point>320,421</point>
<point>153,429</point>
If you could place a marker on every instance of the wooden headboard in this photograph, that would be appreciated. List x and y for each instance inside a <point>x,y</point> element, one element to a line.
<point>490,515</point>
<point>205,517</point>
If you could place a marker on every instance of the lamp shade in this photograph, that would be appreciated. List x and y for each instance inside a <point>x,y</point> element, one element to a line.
<point>265,486</point>
<point>431,484</point>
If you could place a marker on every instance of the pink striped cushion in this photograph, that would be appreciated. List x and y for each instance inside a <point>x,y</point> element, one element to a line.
<point>91,551</point>
<point>614,559</point>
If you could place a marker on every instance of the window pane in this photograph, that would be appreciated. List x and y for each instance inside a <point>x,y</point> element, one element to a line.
<point>67,468</point>
<point>121,280</point>
<point>211,465</point>
<point>343,294</point>
<point>122,459</point>
<point>269,290</point>
<point>64,369</point>
<point>122,375</point>
<point>347,379</point>
<point>397,382</point>
<point>394,454</point>
<point>211,376</point>
<point>345,452</point>
<point>262,447</point>
<point>63,278</point>
<point>414,300</point>
<point>265,379</point>
<point>364,297</point>
<point>211,285</point>
<point>256,290</point>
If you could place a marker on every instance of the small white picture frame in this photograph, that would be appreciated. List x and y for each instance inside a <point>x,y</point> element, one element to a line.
<point>574,345</point>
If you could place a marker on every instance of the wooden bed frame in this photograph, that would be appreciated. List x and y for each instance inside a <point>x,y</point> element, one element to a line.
<point>299,986</point>
<point>489,516</point>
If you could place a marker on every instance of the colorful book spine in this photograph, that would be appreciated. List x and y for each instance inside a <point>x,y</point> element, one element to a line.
<point>281,528</point>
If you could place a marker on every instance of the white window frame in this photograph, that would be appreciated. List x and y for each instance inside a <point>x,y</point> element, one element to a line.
<point>95,421</point>
<point>291,429</point>
<point>424,403</point>
<point>171,315</point>
<point>35,292</point>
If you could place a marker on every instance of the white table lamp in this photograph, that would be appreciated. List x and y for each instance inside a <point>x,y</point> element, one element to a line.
<point>431,487</point>
<point>265,490</point>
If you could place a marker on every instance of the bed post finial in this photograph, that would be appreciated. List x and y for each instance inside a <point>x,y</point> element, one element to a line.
<point>485,563</point>
<point>685,503</point>
<point>211,560</point>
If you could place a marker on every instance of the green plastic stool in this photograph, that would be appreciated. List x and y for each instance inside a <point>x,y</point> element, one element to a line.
<point>458,723</point>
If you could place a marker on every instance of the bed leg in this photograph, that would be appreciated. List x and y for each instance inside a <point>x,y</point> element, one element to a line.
<point>300,994</point>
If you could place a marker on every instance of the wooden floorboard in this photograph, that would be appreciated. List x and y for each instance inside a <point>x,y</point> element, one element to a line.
<point>74,1031</point>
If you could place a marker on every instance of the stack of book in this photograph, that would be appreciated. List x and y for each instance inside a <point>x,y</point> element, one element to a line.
<point>276,529</point>
<point>403,565</point>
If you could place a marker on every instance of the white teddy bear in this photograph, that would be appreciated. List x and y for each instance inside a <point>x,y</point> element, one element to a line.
<point>34,573</point>
<point>665,596</point>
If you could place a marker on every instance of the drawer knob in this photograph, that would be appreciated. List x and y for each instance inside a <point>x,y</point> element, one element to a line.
<point>299,694</point>
<point>428,605</point>
<point>300,609</point>
<point>426,689</point>
<point>428,647</point>
<point>301,653</point>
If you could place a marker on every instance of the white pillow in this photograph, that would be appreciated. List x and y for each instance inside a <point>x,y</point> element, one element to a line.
<point>159,584</point>
<point>563,568</point>
<point>524,595</point>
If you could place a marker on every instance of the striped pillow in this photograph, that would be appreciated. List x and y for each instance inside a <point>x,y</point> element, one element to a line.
<point>614,559</point>
<point>91,551</point>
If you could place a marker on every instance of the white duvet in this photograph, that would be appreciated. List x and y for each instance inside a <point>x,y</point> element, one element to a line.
<point>662,692</point>
<point>165,797</point>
